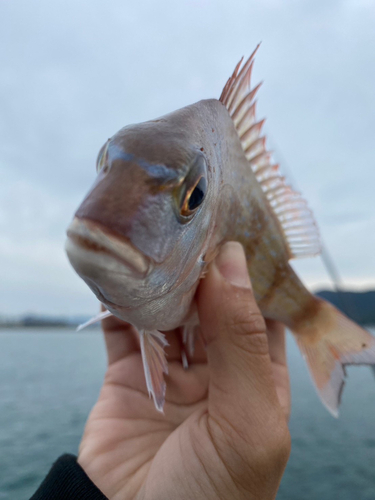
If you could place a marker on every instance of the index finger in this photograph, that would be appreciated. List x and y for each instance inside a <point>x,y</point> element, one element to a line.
<point>241,381</point>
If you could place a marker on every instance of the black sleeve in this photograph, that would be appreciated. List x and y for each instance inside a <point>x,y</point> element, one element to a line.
<point>67,480</point>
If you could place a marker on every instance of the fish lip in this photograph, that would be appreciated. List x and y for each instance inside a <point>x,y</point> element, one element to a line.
<point>94,237</point>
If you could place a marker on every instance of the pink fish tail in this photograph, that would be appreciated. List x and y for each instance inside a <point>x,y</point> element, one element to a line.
<point>329,341</point>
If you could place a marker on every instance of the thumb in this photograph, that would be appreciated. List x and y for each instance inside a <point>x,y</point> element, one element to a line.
<point>241,385</point>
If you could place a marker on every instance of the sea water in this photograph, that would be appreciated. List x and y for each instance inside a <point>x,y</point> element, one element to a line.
<point>49,381</point>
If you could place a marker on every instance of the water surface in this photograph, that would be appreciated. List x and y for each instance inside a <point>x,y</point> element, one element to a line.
<point>49,381</point>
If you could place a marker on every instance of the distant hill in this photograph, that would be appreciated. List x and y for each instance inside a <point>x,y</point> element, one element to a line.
<point>359,306</point>
<point>37,320</point>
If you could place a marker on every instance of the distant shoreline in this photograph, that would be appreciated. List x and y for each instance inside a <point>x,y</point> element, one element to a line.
<point>359,306</point>
<point>49,325</point>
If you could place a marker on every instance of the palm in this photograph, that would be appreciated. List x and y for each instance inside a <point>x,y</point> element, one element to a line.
<point>133,451</point>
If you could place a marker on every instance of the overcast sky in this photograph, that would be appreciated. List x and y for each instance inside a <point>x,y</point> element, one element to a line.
<point>73,72</point>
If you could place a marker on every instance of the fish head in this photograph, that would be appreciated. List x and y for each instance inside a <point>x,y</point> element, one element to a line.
<point>142,230</point>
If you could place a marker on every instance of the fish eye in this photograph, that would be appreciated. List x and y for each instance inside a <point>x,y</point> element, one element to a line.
<point>194,197</point>
<point>193,189</point>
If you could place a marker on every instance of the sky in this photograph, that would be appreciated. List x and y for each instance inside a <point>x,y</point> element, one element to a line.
<point>73,72</point>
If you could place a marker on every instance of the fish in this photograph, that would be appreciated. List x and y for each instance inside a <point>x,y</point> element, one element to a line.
<point>168,194</point>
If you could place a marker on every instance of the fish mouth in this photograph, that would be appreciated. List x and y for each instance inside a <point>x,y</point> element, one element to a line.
<point>92,238</point>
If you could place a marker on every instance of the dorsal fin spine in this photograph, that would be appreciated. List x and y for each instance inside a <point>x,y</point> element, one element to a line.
<point>247,63</point>
<point>245,82</point>
<point>246,100</point>
<point>291,223</point>
<point>259,161</point>
<point>294,216</point>
<point>271,181</point>
<point>254,129</point>
<point>278,193</point>
<point>226,91</point>
<point>268,170</point>
<point>236,79</point>
<point>247,118</point>
<point>283,211</point>
<point>258,143</point>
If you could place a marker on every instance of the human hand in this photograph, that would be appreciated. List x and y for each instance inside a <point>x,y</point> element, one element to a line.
<point>224,433</point>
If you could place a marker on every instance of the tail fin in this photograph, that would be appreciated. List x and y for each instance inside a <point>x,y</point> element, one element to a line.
<point>329,341</point>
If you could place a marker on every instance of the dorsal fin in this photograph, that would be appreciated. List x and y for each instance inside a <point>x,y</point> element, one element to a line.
<point>295,217</point>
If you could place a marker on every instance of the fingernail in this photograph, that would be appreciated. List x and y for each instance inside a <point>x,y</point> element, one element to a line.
<point>232,265</point>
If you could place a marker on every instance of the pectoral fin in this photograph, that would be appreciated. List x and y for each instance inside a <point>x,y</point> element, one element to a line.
<point>155,365</point>
<point>93,320</point>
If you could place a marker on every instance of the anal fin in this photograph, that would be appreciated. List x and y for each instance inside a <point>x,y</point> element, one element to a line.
<point>155,365</point>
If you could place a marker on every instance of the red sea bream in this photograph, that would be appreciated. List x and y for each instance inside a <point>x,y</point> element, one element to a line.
<point>168,193</point>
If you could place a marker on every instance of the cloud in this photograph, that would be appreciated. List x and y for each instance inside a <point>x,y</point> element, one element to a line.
<point>74,72</point>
